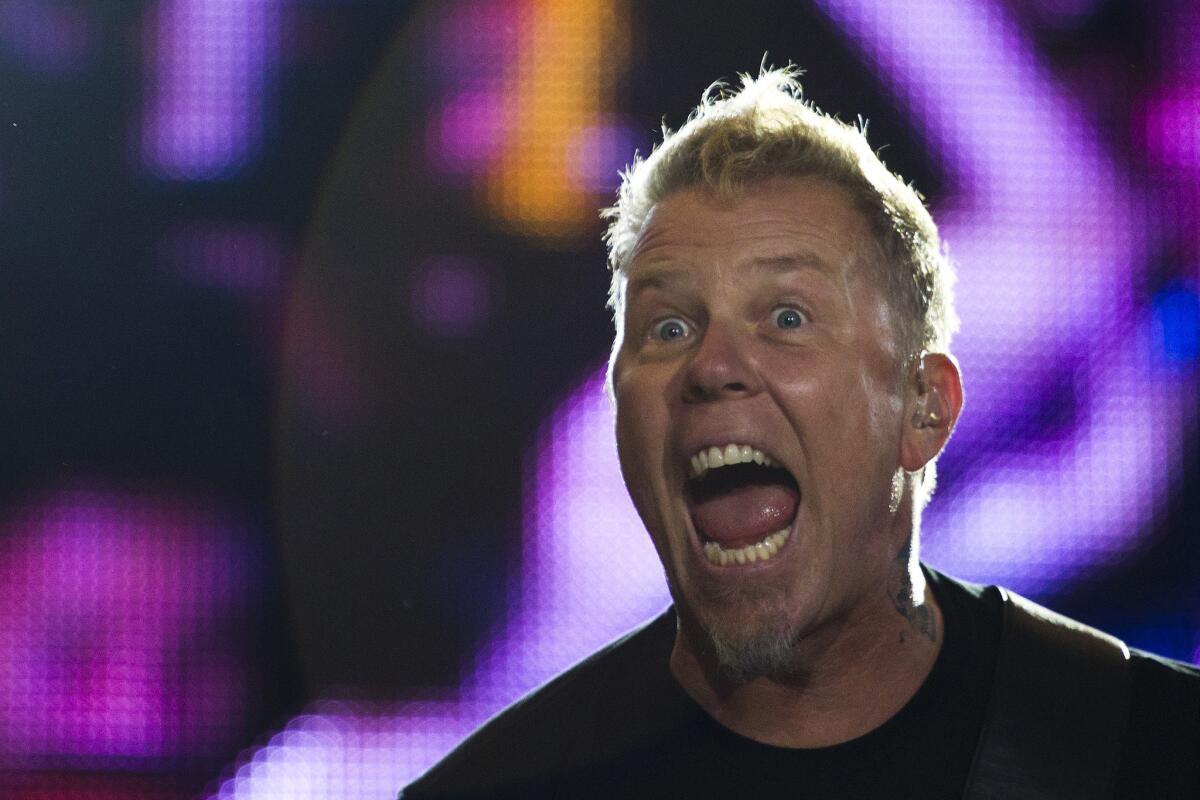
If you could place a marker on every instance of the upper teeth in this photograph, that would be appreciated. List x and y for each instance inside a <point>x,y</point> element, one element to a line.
<point>714,457</point>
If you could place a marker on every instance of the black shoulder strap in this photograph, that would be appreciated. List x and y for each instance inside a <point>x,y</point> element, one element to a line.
<point>1056,712</point>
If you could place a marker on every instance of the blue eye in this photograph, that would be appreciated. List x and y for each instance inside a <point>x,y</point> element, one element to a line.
<point>788,318</point>
<point>671,329</point>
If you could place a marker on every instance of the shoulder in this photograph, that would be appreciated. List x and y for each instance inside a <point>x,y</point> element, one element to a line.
<point>1163,694</point>
<point>984,605</point>
<point>1156,670</point>
<point>1162,729</point>
<point>575,719</point>
<point>1074,695</point>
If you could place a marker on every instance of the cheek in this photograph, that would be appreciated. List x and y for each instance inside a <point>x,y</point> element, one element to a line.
<point>882,407</point>
<point>640,433</point>
<point>845,416</point>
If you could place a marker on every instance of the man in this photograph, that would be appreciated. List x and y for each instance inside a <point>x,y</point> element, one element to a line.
<point>783,387</point>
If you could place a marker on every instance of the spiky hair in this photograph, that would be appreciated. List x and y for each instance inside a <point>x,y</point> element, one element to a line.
<point>766,130</point>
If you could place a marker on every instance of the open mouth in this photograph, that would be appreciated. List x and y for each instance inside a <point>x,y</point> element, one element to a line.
<point>742,503</point>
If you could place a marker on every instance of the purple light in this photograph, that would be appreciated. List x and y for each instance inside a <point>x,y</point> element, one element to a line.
<point>245,258</point>
<point>601,152</point>
<point>209,61</point>
<point>46,36</point>
<point>113,641</point>
<point>472,43</point>
<point>469,132</point>
<point>452,296</point>
<point>1172,125</point>
<point>351,750</point>
<point>472,47</point>
<point>576,516</point>
<point>1045,240</point>
<point>1043,233</point>
<point>1067,11</point>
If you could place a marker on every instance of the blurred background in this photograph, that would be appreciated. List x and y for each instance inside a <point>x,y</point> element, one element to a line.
<point>306,467</point>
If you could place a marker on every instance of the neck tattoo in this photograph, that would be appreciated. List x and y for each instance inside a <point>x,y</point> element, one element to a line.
<point>915,610</point>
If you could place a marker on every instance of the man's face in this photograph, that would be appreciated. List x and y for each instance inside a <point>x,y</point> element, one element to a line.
<point>762,324</point>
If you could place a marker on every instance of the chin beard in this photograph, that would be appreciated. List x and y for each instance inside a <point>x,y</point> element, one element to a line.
<point>744,629</point>
<point>744,655</point>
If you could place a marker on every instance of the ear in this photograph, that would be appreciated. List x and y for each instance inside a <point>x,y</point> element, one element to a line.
<point>933,402</point>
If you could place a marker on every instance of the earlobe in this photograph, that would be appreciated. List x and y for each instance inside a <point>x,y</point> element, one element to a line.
<point>936,397</point>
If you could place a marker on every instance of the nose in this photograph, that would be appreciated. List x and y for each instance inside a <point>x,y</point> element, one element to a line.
<point>720,368</point>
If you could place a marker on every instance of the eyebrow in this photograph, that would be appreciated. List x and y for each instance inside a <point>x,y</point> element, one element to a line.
<point>790,262</point>
<point>656,278</point>
<point>659,277</point>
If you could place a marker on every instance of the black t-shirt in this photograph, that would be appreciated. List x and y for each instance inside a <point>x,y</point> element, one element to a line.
<point>924,751</point>
<point>564,746</point>
<point>617,725</point>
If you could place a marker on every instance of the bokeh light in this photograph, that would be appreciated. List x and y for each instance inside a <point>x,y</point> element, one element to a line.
<point>589,573</point>
<point>248,260</point>
<point>184,138</point>
<point>46,35</point>
<point>528,86</point>
<point>451,296</point>
<point>207,85</point>
<point>1045,235</point>
<point>118,644</point>
<point>1055,344</point>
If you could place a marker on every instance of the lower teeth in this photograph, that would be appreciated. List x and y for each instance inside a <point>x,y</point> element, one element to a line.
<point>759,551</point>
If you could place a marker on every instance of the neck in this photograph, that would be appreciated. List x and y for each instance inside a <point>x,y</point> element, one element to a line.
<point>848,678</point>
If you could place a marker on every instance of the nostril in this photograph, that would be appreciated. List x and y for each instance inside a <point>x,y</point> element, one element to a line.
<point>699,392</point>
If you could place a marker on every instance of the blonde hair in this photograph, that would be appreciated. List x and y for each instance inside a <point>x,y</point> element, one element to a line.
<point>767,130</point>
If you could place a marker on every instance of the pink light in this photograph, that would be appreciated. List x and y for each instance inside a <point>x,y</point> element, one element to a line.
<point>1172,126</point>
<point>473,46</point>
<point>469,131</point>
<point>112,639</point>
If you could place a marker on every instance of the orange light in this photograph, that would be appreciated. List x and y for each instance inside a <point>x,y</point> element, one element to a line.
<point>560,88</point>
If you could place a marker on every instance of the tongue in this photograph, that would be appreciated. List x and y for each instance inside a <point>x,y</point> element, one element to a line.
<point>745,514</point>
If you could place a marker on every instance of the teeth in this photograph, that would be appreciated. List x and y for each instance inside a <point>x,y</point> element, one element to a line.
<point>759,551</point>
<point>715,457</point>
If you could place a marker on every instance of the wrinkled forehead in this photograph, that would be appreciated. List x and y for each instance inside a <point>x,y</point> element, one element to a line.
<point>773,228</point>
<point>779,200</point>
<point>669,275</point>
